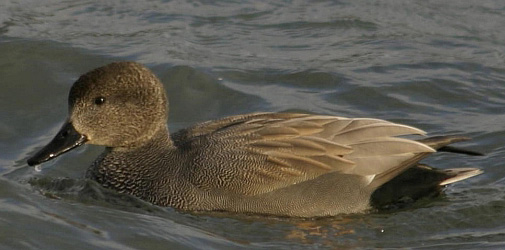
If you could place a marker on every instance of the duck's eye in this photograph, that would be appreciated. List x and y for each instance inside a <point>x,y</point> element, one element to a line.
<point>99,100</point>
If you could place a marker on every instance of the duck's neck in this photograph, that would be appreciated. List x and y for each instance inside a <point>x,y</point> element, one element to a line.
<point>161,138</point>
<point>132,170</point>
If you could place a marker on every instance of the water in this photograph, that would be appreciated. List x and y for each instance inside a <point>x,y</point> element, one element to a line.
<point>436,65</point>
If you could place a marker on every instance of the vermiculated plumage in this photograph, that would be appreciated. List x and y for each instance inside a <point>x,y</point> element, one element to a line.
<point>281,164</point>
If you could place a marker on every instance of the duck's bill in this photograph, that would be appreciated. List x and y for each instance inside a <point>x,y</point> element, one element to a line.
<point>66,139</point>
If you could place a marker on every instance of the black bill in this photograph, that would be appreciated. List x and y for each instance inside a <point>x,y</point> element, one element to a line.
<point>66,139</point>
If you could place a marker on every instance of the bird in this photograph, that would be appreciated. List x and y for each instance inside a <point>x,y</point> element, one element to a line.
<point>265,163</point>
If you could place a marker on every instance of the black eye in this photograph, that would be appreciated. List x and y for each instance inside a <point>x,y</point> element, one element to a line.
<point>99,100</point>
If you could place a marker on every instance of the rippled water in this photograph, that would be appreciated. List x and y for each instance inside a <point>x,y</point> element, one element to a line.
<point>436,65</point>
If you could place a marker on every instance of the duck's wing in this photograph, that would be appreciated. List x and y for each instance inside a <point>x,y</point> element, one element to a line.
<point>258,153</point>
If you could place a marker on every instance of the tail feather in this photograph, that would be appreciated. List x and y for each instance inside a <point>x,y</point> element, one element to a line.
<point>417,182</point>
<point>420,180</point>
<point>459,174</point>
<point>451,149</point>
<point>440,144</point>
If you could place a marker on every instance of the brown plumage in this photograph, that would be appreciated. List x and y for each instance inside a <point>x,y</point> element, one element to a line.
<point>267,163</point>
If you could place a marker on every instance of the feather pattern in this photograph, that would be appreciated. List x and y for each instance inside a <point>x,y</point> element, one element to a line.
<point>266,163</point>
<point>269,163</point>
<point>274,151</point>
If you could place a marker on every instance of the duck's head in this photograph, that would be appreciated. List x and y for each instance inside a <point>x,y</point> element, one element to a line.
<point>120,105</point>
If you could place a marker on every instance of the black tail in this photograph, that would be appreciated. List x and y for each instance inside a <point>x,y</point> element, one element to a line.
<point>451,149</point>
<point>417,182</point>
<point>440,143</point>
<point>423,181</point>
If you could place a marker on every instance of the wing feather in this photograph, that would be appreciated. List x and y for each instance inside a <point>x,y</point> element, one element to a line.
<point>261,152</point>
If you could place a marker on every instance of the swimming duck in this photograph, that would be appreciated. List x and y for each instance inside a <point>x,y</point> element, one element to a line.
<point>282,164</point>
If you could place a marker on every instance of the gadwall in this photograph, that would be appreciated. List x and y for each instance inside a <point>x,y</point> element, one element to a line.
<point>281,164</point>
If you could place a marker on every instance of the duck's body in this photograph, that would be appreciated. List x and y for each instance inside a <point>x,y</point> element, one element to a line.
<point>267,163</point>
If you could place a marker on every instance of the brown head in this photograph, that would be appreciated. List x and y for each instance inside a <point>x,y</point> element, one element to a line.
<point>120,105</point>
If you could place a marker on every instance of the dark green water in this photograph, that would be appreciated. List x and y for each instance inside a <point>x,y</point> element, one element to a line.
<point>436,65</point>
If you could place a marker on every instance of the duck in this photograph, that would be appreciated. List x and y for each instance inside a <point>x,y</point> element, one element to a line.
<point>277,164</point>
